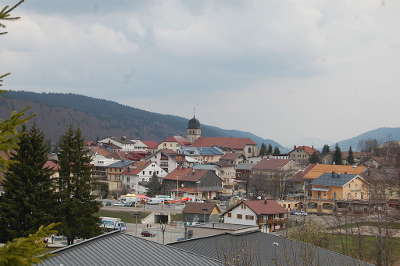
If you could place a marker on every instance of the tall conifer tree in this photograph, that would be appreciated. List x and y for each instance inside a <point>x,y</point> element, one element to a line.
<point>269,151</point>
<point>29,200</point>
<point>337,156</point>
<point>263,150</point>
<point>77,205</point>
<point>277,151</point>
<point>350,157</point>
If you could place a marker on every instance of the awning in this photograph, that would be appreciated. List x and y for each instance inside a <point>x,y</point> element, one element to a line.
<point>320,189</point>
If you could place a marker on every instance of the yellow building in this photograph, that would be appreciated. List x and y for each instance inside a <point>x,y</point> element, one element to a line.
<point>330,189</point>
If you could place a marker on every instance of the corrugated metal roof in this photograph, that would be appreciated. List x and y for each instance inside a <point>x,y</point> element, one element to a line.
<point>256,248</point>
<point>122,249</point>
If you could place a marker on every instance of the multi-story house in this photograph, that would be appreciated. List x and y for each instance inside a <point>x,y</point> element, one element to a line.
<point>272,167</point>
<point>141,172</point>
<point>173,143</point>
<point>114,174</point>
<point>227,172</point>
<point>124,144</point>
<point>268,215</point>
<point>194,183</point>
<point>333,191</point>
<point>301,154</point>
<point>165,158</point>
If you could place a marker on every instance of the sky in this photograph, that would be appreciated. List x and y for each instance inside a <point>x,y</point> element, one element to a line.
<point>289,70</point>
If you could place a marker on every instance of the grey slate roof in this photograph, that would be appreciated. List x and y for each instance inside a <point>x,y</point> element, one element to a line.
<point>201,151</point>
<point>256,248</point>
<point>333,179</point>
<point>117,248</point>
<point>120,164</point>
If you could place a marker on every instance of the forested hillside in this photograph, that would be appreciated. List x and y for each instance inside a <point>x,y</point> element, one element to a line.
<point>99,118</point>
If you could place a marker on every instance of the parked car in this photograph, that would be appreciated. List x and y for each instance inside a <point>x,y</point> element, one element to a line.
<point>301,213</point>
<point>119,204</point>
<point>147,234</point>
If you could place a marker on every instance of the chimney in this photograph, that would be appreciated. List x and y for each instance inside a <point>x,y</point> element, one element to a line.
<point>294,147</point>
<point>333,173</point>
<point>265,201</point>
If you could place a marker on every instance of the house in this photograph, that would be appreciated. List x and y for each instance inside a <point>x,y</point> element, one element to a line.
<point>202,154</point>
<point>165,158</point>
<point>117,248</point>
<point>122,143</point>
<point>194,183</point>
<point>301,154</point>
<point>141,171</point>
<point>201,212</point>
<point>55,167</point>
<point>151,145</point>
<point>255,248</point>
<point>243,173</point>
<point>233,158</point>
<point>270,167</point>
<point>173,143</point>
<point>299,184</point>
<point>332,191</point>
<point>267,214</point>
<point>245,146</point>
<point>114,173</point>
<point>227,172</point>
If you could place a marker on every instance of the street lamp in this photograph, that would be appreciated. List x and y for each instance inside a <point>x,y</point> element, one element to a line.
<point>136,215</point>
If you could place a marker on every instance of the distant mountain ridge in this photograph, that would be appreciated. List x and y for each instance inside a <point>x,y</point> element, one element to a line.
<point>100,118</point>
<point>382,135</point>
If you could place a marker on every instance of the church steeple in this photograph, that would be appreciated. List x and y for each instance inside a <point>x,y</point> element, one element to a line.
<point>193,130</point>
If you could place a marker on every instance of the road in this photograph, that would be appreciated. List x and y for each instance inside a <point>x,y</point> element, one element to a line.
<point>147,208</point>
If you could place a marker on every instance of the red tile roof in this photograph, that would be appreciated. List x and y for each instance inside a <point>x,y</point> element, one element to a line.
<point>151,144</point>
<point>179,139</point>
<point>51,165</point>
<point>307,149</point>
<point>271,164</point>
<point>200,208</point>
<point>186,174</point>
<point>230,143</point>
<point>137,168</point>
<point>261,207</point>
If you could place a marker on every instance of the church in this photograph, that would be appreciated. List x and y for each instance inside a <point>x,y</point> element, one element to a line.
<point>194,138</point>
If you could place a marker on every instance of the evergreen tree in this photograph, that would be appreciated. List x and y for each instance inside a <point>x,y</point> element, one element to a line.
<point>29,200</point>
<point>263,150</point>
<point>337,156</point>
<point>350,158</point>
<point>77,205</point>
<point>314,158</point>
<point>276,151</point>
<point>325,149</point>
<point>153,186</point>
<point>269,151</point>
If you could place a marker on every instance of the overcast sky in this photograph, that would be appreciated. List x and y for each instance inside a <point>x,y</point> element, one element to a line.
<point>282,69</point>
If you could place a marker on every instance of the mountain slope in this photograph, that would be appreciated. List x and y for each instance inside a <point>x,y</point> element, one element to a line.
<point>99,118</point>
<point>382,135</point>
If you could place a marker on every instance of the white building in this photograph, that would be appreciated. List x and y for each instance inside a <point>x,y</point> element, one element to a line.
<point>125,145</point>
<point>166,159</point>
<point>268,215</point>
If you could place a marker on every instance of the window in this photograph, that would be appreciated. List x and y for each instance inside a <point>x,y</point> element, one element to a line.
<point>144,172</point>
<point>157,172</point>
<point>249,217</point>
<point>249,150</point>
<point>229,214</point>
<point>239,216</point>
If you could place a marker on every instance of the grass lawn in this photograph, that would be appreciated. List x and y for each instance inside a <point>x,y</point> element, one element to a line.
<point>126,217</point>
<point>351,246</point>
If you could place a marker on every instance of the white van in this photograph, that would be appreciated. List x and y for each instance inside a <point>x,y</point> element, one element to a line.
<point>111,224</point>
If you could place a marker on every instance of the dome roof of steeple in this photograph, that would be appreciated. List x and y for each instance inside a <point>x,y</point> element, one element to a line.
<point>193,123</point>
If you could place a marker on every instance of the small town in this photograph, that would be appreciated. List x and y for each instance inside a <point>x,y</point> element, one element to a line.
<point>88,181</point>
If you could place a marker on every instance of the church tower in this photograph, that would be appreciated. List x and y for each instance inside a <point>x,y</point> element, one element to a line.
<point>193,131</point>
